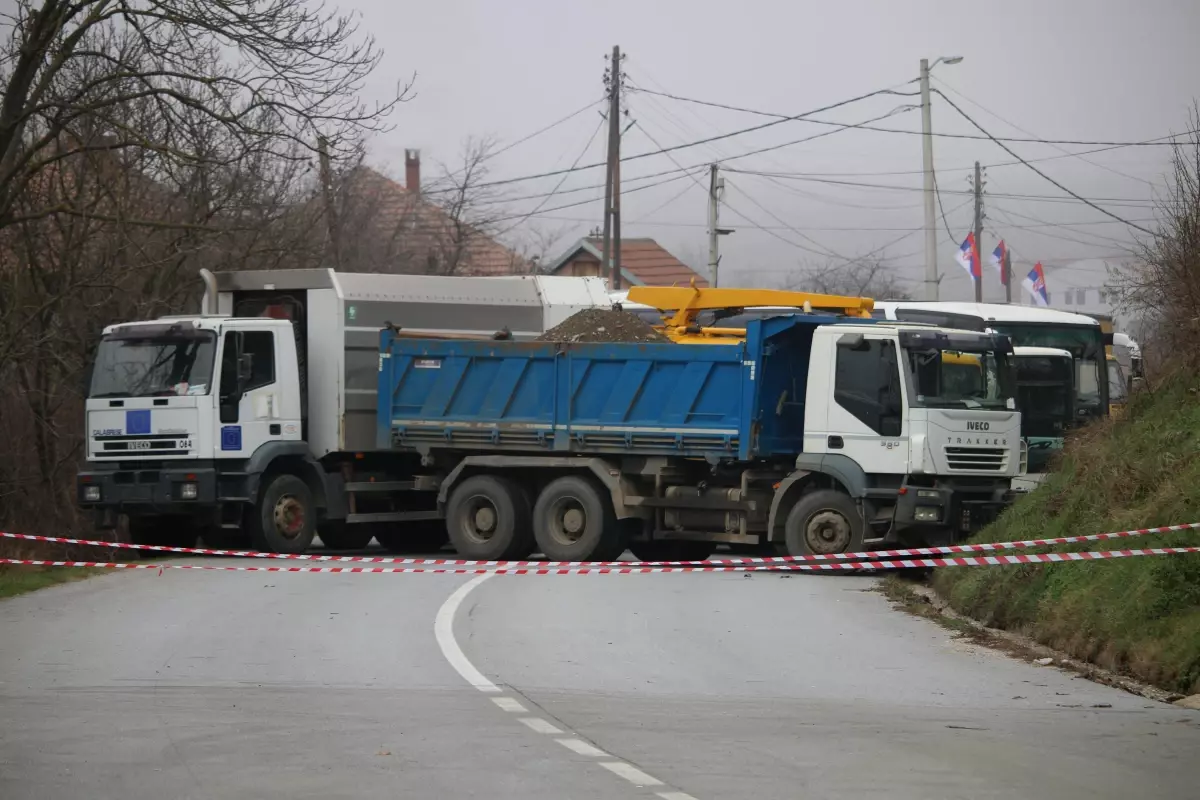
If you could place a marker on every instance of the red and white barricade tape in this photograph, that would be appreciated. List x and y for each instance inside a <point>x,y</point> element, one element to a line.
<point>870,555</point>
<point>616,568</point>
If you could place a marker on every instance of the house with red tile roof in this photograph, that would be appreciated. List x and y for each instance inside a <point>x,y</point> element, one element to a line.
<point>644,262</point>
<point>389,227</point>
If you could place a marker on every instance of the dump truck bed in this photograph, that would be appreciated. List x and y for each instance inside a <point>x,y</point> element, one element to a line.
<point>736,401</point>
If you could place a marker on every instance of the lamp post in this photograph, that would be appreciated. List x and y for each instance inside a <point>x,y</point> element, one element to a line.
<point>931,267</point>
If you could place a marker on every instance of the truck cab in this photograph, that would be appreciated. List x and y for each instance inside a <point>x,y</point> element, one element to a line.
<point>177,410</point>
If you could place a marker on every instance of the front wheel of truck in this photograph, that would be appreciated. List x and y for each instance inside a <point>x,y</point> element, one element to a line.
<point>287,518</point>
<point>824,522</point>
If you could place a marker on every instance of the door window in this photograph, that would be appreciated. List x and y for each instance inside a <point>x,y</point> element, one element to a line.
<point>867,384</point>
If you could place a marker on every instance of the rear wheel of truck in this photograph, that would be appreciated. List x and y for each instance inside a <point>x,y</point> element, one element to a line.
<point>420,536</point>
<point>672,551</point>
<point>337,535</point>
<point>487,519</point>
<point>573,520</point>
<point>287,518</point>
<point>824,522</point>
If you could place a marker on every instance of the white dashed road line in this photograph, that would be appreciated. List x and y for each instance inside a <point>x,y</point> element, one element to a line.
<point>631,773</point>
<point>539,725</point>
<point>509,704</point>
<point>582,748</point>
<point>443,629</point>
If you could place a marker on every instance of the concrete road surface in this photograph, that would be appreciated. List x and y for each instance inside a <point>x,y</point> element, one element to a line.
<point>257,685</point>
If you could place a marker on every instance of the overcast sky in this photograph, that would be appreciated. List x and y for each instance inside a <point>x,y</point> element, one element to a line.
<point>1068,69</point>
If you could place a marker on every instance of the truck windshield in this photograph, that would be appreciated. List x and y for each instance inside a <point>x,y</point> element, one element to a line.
<point>1045,395</point>
<point>1084,342</point>
<point>956,379</point>
<point>155,365</point>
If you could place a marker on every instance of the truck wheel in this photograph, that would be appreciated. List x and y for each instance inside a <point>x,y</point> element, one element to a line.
<point>823,522</point>
<point>574,521</point>
<point>337,535</point>
<point>672,551</point>
<point>286,516</point>
<point>487,519</point>
<point>422,536</point>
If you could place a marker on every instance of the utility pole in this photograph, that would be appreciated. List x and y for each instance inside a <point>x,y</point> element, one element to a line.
<point>1008,276</point>
<point>611,249</point>
<point>716,188</point>
<point>979,232</point>
<point>931,266</point>
<point>331,220</point>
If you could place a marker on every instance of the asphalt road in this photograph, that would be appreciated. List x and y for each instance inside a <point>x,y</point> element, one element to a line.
<point>248,685</point>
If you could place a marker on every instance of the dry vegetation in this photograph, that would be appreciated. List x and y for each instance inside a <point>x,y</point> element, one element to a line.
<point>1137,616</point>
<point>141,142</point>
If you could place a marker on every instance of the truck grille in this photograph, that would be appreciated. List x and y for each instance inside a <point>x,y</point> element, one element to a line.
<point>153,446</point>
<point>977,459</point>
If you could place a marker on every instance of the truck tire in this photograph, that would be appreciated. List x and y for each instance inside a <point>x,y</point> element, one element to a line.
<point>337,535</point>
<point>286,519</point>
<point>421,536</point>
<point>672,551</point>
<point>573,520</point>
<point>487,519</point>
<point>823,522</point>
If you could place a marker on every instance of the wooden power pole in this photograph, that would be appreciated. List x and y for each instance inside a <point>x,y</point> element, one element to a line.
<point>611,247</point>
<point>978,232</point>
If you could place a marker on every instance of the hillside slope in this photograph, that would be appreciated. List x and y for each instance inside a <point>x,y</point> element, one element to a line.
<point>1140,616</point>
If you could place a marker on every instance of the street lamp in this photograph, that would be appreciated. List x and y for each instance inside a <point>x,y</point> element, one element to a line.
<point>931,267</point>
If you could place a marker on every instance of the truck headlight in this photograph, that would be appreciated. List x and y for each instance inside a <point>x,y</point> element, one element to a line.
<point>927,514</point>
<point>91,494</point>
<point>188,491</point>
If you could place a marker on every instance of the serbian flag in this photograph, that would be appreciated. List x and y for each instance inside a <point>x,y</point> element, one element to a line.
<point>1035,284</point>
<point>997,260</point>
<point>968,257</point>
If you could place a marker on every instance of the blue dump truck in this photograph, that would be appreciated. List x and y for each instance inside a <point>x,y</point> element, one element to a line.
<point>294,408</point>
<point>815,432</point>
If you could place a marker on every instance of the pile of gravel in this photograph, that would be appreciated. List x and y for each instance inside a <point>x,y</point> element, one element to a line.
<point>603,325</point>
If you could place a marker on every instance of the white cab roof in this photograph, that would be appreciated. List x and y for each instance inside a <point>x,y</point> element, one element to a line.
<point>991,312</point>
<point>1042,351</point>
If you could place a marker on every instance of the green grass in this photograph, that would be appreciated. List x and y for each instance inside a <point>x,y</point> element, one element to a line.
<point>15,580</point>
<point>1139,616</point>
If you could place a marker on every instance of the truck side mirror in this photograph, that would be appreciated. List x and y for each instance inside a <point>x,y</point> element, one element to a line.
<point>245,368</point>
<point>853,341</point>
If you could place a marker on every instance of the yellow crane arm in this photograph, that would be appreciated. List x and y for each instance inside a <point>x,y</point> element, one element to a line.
<point>686,301</point>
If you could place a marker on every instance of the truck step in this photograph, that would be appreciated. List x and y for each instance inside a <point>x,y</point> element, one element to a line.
<point>235,499</point>
<point>380,486</point>
<point>393,516</point>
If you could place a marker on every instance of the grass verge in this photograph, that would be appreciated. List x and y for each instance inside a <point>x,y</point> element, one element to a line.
<point>15,580</point>
<point>1137,616</point>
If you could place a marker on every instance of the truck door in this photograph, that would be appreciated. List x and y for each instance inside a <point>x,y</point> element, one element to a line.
<point>249,401</point>
<point>867,413</point>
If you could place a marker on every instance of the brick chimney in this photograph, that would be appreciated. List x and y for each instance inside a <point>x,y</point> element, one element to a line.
<point>412,172</point>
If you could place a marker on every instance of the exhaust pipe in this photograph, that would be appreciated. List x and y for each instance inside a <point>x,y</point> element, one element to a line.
<point>208,304</point>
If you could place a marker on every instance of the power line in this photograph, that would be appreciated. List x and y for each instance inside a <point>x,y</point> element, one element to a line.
<point>561,181</point>
<point>684,146</point>
<point>578,203</point>
<point>1010,151</point>
<point>986,110</point>
<point>1128,201</point>
<point>986,136</point>
<point>1006,211</point>
<point>540,131</point>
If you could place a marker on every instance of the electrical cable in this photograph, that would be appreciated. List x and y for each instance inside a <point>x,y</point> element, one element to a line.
<point>1009,150</point>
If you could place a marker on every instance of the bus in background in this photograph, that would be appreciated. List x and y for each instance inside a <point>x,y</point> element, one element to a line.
<point>1045,397</point>
<point>1027,326</point>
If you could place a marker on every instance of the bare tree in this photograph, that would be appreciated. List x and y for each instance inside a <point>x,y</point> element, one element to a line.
<point>1163,285</point>
<point>867,277</point>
